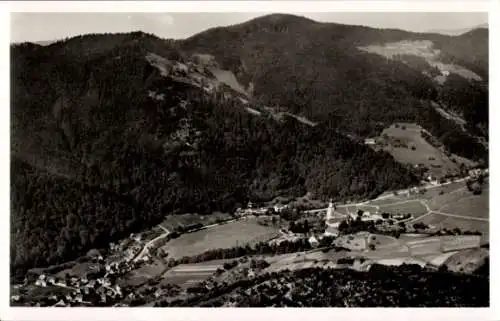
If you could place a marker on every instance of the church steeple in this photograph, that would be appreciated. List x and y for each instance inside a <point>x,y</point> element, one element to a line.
<point>329,212</point>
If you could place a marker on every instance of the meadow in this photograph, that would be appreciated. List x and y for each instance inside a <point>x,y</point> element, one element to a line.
<point>406,145</point>
<point>223,236</point>
<point>414,207</point>
<point>172,222</point>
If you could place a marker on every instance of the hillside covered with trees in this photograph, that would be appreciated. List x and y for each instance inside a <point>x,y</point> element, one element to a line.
<point>96,155</point>
<point>316,69</point>
<point>404,286</point>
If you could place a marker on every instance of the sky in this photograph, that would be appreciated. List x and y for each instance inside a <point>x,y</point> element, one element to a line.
<point>34,26</point>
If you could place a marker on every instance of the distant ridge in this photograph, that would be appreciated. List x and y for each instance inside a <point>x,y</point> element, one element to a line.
<point>457,32</point>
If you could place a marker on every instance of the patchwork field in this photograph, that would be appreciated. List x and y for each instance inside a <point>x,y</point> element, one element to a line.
<point>187,274</point>
<point>222,236</point>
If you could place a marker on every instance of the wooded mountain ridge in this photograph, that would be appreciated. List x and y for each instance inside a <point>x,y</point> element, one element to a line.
<point>106,140</point>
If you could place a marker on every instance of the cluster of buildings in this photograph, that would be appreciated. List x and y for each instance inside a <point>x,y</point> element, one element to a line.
<point>98,286</point>
<point>476,172</point>
<point>84,291</point>
<point>254,210</point>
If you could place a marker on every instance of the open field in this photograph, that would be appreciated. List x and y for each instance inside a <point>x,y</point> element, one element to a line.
<point>450,222</point>
<point>415,207</point>
<point>424,152</point>
<point>438,259</point>
<point>439,201</point>
<point>452,187</point>
<point>467,261</point>
<point>341,210</point>
<point>222,236</point>
<point>186,274</point>
<point>388,200</point>
<point>475,205</point>
<point>172,222</point>
<point>367,208</point>
<point>384,241</point>
<point>144,273</point>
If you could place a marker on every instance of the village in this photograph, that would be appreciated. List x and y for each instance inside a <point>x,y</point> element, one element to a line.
<point>351,227</point>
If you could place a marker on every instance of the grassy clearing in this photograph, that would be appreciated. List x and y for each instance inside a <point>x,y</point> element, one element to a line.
<point>467,260</point>
<point>474,205</point>
<point>385,201</point>
<point>341,210</point>
<point>409,147</point>
<point>144,273</point>
<point>172,222</point>
<point>222,236</point>
<point>444,189</point>
<point>367,208</point>
<point>384,241</point>
<point>455,222</point>
<point>414,207</point>
<point>438,202</point>
<point>425,246</point>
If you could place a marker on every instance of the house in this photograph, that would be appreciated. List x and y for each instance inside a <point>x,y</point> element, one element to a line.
<point>14,298</point>
<point>158,293</point>
<point>91,284</point>
<point>41,283</point>
<point>475,172</point>
<point>51,280</point>
<point>370,141</point>
<point>445,73</point>
<point>61,283</point>
<point>313,241</point>
<point>61,303</point>
<point>279,207</point>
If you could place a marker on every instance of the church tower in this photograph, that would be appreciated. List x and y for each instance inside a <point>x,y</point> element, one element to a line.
<point>329,212</point>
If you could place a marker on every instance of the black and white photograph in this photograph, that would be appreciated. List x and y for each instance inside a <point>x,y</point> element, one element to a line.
<point>249,159</point>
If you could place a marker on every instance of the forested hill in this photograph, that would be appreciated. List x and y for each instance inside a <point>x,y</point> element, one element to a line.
<point>110,133</point>
<point>366,77</point>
